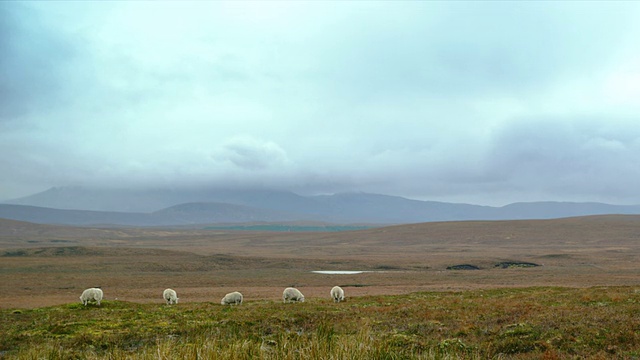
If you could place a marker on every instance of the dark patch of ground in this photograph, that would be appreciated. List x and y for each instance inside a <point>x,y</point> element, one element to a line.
<point>515,264</point>
<point>463,267</point>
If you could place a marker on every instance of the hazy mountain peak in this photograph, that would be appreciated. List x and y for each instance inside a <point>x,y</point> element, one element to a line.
<point>195,206</point>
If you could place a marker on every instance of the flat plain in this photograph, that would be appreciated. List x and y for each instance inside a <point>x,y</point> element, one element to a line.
<point>45,265</point>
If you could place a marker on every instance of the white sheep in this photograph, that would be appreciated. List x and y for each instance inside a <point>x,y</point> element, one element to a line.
<point>234,298</point>
<point>94,294</point>
<point>292,294</point>
<point>337,294</point>
<point>170,296</point>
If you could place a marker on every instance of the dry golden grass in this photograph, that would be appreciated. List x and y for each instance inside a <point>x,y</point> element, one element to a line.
<point>46,265</point>
<point>524,323</point>
<point>580,303</point>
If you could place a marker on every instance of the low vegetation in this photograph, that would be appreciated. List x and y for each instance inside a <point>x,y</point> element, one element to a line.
<point>290,228</point>
<point>519,323</point>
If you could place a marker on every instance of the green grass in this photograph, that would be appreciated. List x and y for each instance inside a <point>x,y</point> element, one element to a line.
<point>528,323</point>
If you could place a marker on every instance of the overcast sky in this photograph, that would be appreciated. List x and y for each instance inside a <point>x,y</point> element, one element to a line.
<point>477,102</point>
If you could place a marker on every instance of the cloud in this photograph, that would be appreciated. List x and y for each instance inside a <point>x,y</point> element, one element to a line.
<point>569,157</point>
<point>251,154</point>
<point>33,64</point>
<point>621,87</point>
<point>469,101</point>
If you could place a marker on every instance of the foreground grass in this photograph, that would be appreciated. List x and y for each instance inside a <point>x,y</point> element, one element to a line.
<point>529,323</point>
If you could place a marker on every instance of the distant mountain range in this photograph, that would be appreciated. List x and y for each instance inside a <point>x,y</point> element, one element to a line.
<point>82,206</point>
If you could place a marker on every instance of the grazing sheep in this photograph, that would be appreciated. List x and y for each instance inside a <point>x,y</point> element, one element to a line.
<point>170,296</point>
<point>337,294</point>
<point>292,294</point>
<point>234,298</point>
<point>90,294</point>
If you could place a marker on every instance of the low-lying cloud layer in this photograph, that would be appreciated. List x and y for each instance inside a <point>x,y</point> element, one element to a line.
<point>480,102</point>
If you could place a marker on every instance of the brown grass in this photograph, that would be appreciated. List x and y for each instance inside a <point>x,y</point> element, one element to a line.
<point>44,265</point>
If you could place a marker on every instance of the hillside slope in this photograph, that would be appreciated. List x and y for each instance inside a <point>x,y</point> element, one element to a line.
<point>65,206</point>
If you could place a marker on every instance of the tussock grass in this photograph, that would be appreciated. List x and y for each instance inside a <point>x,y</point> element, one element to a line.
<point>525,323</point>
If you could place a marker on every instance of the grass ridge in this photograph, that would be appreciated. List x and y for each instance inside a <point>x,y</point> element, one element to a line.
<point>522,323</point>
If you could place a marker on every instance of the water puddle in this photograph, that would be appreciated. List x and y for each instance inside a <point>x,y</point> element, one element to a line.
<point>339,272</point>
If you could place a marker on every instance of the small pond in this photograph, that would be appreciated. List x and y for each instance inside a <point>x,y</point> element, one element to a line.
<point>339,272</point>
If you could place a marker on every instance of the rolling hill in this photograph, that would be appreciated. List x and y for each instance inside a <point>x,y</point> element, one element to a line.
<point>79,206</point>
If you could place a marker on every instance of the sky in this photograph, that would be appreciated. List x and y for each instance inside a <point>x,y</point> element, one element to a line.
<point>478,102</point>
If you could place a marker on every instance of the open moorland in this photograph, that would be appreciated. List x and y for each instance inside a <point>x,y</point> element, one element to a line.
<point>45,265</point>
<point>560,288</point>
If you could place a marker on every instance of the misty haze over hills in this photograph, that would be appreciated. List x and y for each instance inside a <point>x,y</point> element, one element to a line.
<point>85,206</point>
<point>451,101</point>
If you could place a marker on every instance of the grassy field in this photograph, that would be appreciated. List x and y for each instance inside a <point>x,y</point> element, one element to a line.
<point>582,301</point>
<point>518,323</point>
